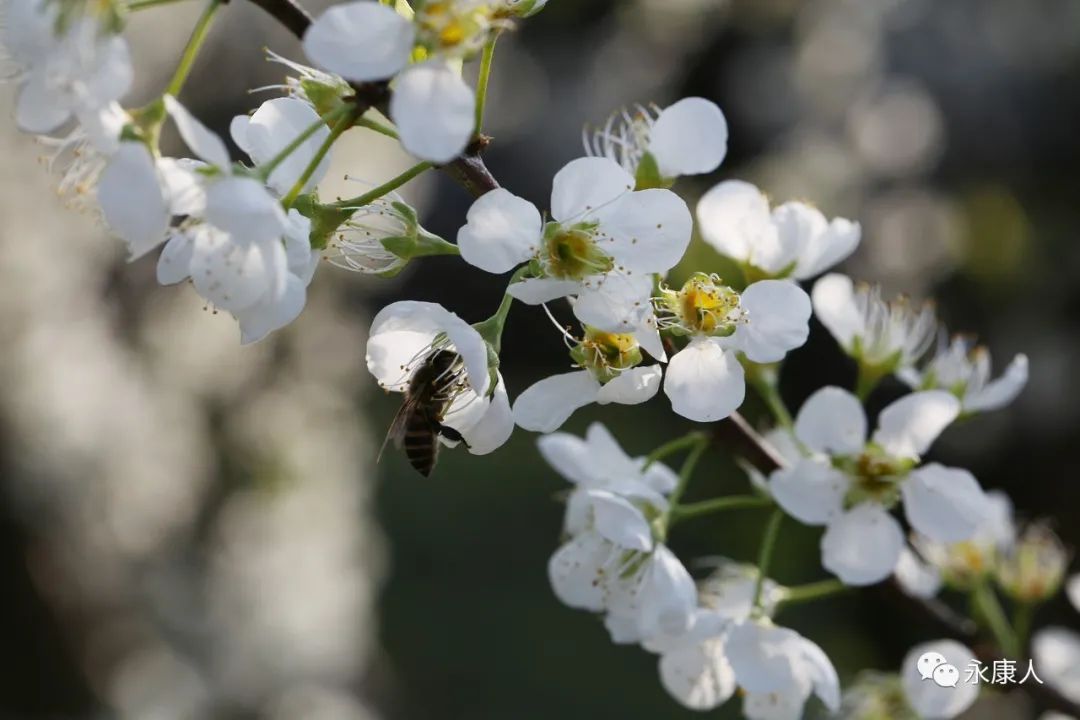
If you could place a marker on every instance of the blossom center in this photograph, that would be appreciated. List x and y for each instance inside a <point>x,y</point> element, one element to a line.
<point>703,306</point>
<point>455,25</point>
<point>606,354</point>
<point>571,253</point>
<point>875,476</point>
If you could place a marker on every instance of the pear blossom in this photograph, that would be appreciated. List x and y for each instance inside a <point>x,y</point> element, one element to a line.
<point>1055,651</point>
<point>403,338</point>
<point>883,336</point>
<point>321,90</point>
<point>705,381</point>
<point>792,240</point>
<point>272,128</point>
<point>963,369</point>
<point>80,156</point>
<point>657,146</point>
<point>849,484</point>
<point>361,242</point>
<point>915,576</point>
<point>964,563</point>
<point>597,462</point>
<point>610,372</point>
<point>68,69</point>
<point>926,697</point>
<point>432,106</point>
<point>778,670</point>
<point>1033,568</point>
<point>601,246</point>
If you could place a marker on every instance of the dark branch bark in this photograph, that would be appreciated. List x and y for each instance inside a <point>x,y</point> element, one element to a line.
<point>291,16</point>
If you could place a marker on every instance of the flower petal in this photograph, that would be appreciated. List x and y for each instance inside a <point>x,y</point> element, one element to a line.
<point>689,138</point>
<point>568,454</point>
<point>501,231</point>
<point>494,427</point>
<point>810,491</point>
<point>832,421</point>
<point>734,218</point>
<point>199,138</point>
<point>698,676</point>
<point>908,427</point>
<point>40,109</point>
<point>361,41</point>
<point>534,291</point>
<point>998,393</point>
<point>130,195</point>
<point>778,320</point>
<point>575,572</point>
<point>234,276</point>
<point>915,577</point>
<point>617,520</point>
<point>761,656</point>
<point>925,696</point>
<point>833,298</point>
<point>432,108</point>
<point>631,387</point>
<point>615,302</point>
<point>667,597</point>
<point>828,247</point>
<point>862,546</point>
<point>274,126</point>
<point>585,186</point>
<point>547,404</point>
<point>174,263</point>
<point>704,382</point>
<point>242,207</point>
<point>648,231</point>
<point>265,317</point>
<point>944,504</point>
<point>1056,653</point>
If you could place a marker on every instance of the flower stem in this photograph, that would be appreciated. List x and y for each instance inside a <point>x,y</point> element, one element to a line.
<point>482,82</point>
<point>1022,616</point>
<point>378,127</point>
<point>813,591</point>
<point>698,444</point>
<point>344,122</point>
<point>492,328</point>
<point>764,382</point>
<point>191,50</point>
<point>387,187</point>
<point>768,544</point>
<point>988,607</point>
<point>144,4</point>
<point>267,168</point>
<point>672,446</point>
<point>707,507</point>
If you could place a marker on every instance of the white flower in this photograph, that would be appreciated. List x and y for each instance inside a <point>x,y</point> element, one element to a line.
<point>80,69</point>
<point>704,380</point>
<point>597,462</point>
<point>694,667</point>
<point>270,129</point>
<point>849,485</point>
<point>602,245</point>
<point>359,243</point>
<point>80,156</point>
<point>610,373</point>
<point>792,240</point>
<point>779,669</point>
<point>916,577</point>
<point>687,138</point>
<point>406,335</point>
<point>969,561</point>
<point>1056,654</point>
<point>1033,567</point>
<point>1072,590</point>
<point>888,336</point>
<point>432,105</point>
<point>926,697</point>
<point>963,369</point>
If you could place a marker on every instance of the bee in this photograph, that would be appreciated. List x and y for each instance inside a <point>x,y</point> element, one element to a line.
<point>418,425</point>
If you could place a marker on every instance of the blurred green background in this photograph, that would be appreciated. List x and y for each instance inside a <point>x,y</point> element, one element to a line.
<point>194,529</point>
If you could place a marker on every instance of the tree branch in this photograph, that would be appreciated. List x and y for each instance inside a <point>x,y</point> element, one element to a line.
<point>468,170</point>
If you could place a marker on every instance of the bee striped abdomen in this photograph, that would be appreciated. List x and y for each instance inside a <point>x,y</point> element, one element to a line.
<point>420,442</point>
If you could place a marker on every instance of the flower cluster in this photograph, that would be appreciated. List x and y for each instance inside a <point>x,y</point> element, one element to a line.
<point>609,248</point>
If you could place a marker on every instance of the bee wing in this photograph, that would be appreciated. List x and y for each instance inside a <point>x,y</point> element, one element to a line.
<point>399,423</point>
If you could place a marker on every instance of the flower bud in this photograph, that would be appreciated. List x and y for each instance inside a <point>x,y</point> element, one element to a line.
<point>1035,568</point>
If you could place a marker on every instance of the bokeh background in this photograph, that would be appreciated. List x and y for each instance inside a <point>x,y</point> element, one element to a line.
<point>192,529</point>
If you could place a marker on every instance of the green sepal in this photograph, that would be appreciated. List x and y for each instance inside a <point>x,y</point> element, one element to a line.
<point>648,175</point>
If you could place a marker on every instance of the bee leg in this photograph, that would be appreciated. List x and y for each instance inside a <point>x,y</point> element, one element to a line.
<point>452,435</point>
